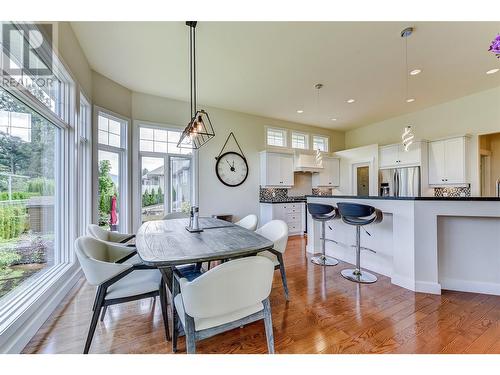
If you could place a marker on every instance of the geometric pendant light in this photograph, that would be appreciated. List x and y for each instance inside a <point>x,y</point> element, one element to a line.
<point>199,130</point>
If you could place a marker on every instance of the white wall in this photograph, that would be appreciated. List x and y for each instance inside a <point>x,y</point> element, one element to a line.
<point>474,114</point>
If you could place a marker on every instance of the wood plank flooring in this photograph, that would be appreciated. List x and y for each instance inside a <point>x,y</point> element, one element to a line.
<point>326,314</point>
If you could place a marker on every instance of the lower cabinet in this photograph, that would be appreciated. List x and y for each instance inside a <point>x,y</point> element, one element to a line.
<point>291,213</point>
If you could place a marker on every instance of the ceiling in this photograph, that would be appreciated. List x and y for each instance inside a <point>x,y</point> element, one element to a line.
<point>270,68</point>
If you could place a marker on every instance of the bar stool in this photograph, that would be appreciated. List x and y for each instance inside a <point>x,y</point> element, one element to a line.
<point>359,215</point>
<point>323,213</point>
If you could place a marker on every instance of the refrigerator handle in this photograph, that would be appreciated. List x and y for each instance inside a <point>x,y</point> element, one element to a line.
<point>395,183</point>
<point>398,183</point>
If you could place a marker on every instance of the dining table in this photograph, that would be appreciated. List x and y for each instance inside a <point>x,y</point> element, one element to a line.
<point>168,245</point>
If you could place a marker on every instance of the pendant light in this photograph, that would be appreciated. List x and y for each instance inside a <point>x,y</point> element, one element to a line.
<point>407,136</point>
<point>199,130</point>
<point>319,155</point>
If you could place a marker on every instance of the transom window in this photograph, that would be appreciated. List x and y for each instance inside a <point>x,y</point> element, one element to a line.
<point>160,140</point>
<point>320,143</point>
<point>109,131</point>
<point>300,140</point>
<point>16,124</point>
<point>276,137</point>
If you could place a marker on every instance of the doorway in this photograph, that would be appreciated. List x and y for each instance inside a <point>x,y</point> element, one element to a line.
<point>489,163</point>
<point>361,179</point>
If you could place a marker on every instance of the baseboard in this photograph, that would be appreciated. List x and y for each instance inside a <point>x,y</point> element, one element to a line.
<point>471,286</point>
<point>403,282</point>
<point>427,287</point>
<point>21,336</point>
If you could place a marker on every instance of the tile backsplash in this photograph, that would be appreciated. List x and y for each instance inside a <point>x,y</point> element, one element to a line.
<point>452,192</point>
<point>279,194</point>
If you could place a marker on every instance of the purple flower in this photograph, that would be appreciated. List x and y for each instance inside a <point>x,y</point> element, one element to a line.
<point>495,46</point>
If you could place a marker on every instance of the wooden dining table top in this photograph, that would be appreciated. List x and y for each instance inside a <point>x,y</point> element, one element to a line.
<point>166,243</point>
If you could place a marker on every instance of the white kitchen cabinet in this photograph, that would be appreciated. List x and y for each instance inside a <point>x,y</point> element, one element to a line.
<point>448,162</point>
<point>276,169</point>
<point>291,213</point>
<point>329,176</point>
<point>394,156</point>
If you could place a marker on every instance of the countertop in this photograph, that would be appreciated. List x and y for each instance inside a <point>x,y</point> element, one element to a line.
<point>291,200</point>
<point>409,198</point>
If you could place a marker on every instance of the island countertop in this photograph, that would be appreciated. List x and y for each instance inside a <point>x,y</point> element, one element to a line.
<point>465,199</point>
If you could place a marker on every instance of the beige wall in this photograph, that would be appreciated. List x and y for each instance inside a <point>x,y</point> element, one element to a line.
<point>111,96</point>
<point>474,114</point>
<point>216,198</point>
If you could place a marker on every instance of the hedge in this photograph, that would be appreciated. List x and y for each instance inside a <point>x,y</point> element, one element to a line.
<point>13,220</point>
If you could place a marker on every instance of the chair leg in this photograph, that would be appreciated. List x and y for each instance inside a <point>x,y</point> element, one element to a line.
<point>163,305</point>
<point>283,275</point>
<point>190,334</point>
<point>103,314</point>
<point>268,324</point>
<point>95,318</point>
<point>175,331</point>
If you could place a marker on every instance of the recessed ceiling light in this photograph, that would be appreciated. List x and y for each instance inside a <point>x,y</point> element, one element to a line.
<point>334,119</point>
<point>414,72</point>
<point>410,100</point>
<point>350,101</point>
<point>492,71</point>
<point>300,111</point>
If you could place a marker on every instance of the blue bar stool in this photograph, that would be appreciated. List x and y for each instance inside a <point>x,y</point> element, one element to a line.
<point>323,213</point>
<point>359,215</point>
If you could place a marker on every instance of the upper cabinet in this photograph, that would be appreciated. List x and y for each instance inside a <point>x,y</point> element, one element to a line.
<point>276,169</point>
<point>394,156</point>
<point>330,175</point>
<point>448,162</point>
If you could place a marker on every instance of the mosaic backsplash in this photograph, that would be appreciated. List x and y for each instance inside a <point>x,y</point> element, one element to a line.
<point>279,194</point>
<point>452,192</point>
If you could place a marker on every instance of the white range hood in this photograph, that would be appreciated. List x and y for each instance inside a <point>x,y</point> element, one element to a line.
<point>303,162</point>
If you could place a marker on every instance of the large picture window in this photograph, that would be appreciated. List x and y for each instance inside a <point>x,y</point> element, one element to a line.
<point>29,194</point>
<point>111,171</point>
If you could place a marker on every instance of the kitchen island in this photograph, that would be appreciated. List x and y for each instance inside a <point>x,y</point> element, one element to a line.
<point>424,244</point>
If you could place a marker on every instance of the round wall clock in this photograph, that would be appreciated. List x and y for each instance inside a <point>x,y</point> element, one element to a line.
<point>231,169</point>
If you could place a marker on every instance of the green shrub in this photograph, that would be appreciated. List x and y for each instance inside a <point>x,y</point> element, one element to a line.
<point>8,258</point>
<point>13,220</point>
<point>41,185</point>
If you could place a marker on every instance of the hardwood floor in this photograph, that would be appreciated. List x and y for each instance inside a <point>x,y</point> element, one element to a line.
<point>326,314</point>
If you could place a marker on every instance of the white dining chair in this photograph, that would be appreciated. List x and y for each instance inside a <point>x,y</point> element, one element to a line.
<point>176,215</point>
<point>119,238</point>
<point>249,222</point>
<point>226,297</point>
<point>276,231</point>
<point>116,282</point>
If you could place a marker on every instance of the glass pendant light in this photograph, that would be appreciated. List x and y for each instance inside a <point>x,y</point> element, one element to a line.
<point>199,130</point>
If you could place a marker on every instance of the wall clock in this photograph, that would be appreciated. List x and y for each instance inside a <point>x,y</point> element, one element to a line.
<point>231,167</point>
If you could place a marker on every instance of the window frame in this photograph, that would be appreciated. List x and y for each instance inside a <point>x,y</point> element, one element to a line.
<point>306,135</point>
<point>283,131</point>
<point>122,151</point>
<point>327,143</point>
<point>84,146</point>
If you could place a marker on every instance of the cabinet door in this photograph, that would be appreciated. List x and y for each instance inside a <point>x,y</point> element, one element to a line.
<point>335,176</point>
<point>388,156</point>
<point>273,169</point>
<point>410,157</point>
<point>436,163</point>
<point>286,170</point>
<point>454,158</point>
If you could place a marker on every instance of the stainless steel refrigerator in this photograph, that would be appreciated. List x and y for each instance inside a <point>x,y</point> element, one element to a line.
<point>402,182</point>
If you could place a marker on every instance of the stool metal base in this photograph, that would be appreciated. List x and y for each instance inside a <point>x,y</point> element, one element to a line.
<point>358,276</point>
<point>323,260</point>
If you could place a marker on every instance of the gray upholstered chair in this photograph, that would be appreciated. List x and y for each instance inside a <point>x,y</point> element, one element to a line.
<point>249,222</point>
<point>226,297</point>
<point>276,231</point>
<point>116,282</point>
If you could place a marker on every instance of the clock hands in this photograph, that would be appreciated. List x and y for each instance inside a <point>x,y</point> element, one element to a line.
<point>231,166</point>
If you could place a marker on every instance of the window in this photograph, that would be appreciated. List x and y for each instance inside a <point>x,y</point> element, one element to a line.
<point>320,143</point>
<point>300,140</point>
<point>276,137</point>
<point>111,171</point>
<point>160,140</point>
<point>165,179</point>
<point>29,193</point>
<point>84,165</point>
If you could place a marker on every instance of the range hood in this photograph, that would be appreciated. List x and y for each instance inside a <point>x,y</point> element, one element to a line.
<point>307,163</point>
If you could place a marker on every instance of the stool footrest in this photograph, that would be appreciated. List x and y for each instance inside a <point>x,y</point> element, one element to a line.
<point>365,248</point>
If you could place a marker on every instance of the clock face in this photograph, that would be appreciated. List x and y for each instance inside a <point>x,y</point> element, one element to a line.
<point>231,169</point>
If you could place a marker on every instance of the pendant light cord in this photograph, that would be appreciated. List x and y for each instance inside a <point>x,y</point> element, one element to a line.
<point>406,66</point>
<point>192,68</point>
